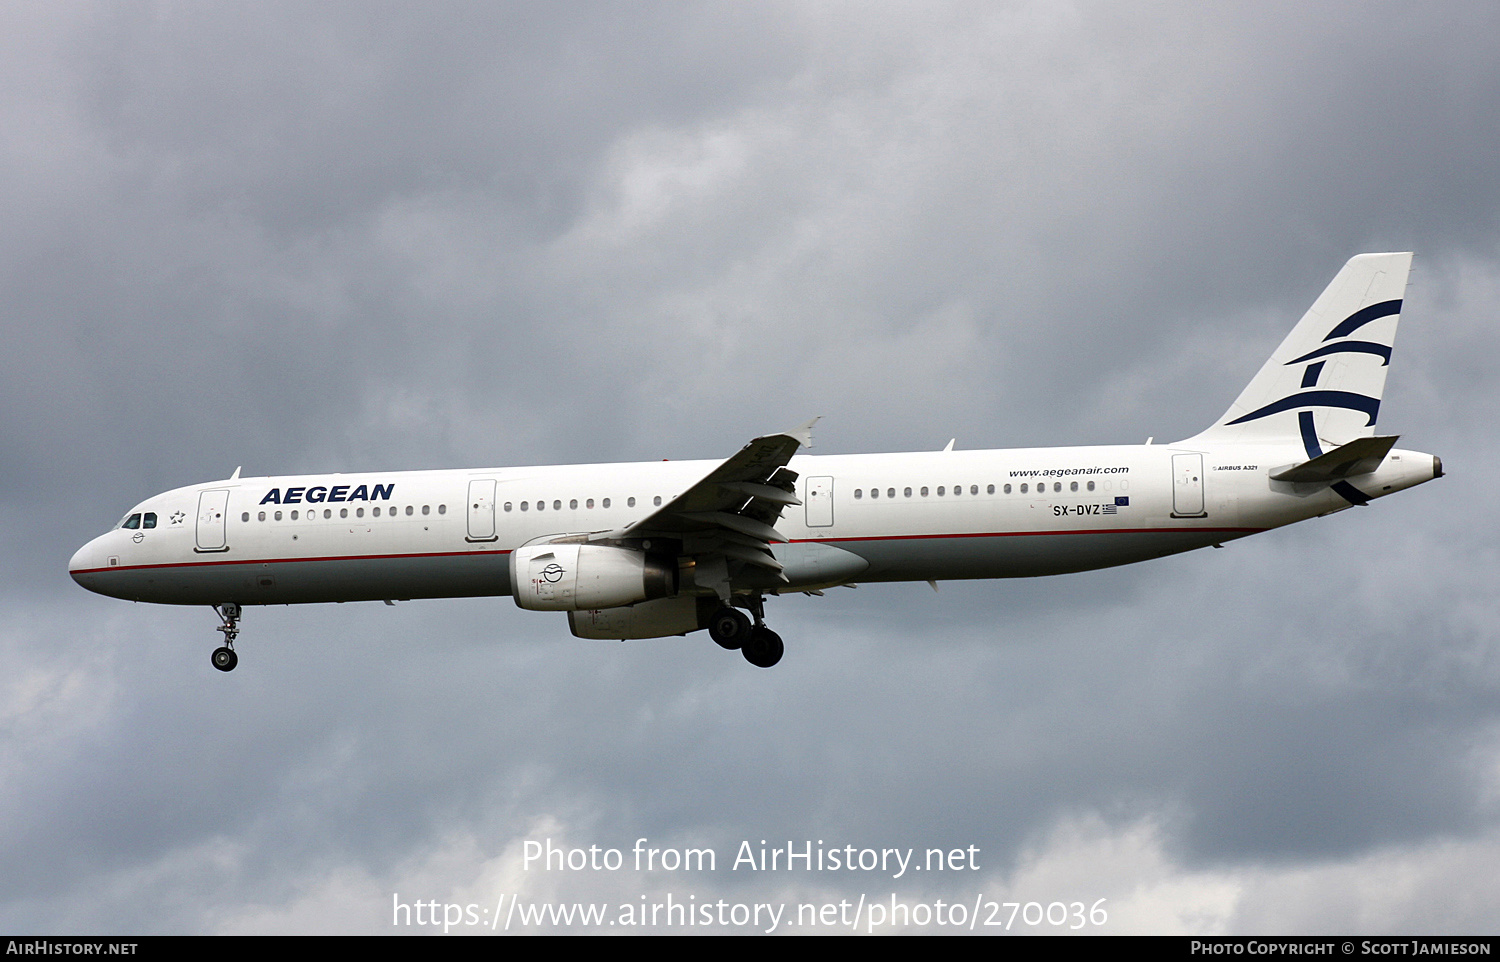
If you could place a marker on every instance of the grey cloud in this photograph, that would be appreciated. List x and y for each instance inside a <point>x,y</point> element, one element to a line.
<point>376,236</point>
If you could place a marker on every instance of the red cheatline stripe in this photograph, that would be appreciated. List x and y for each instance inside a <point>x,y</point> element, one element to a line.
<point>466,554</point>
<point>1038,534</point>
<point>277,561</point>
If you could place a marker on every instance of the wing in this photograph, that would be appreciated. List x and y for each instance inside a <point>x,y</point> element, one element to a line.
<point>727,521</point>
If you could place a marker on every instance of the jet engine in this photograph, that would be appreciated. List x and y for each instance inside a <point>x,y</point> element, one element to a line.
<point>578,576</point>
<point>649,619</point>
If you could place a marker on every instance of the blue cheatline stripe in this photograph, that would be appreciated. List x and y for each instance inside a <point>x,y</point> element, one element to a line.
<point>1368,406</point>
<point>1364,316</point>
<point>1310,376</point>
<point>1347,347</point>
<point>1309,435</point>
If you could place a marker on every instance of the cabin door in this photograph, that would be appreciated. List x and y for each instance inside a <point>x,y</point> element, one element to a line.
<point>213,509</point>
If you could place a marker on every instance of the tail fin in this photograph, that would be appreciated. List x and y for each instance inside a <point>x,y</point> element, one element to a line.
<point>1326,379</point>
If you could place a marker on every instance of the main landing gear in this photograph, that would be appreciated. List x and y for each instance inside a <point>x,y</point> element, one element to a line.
<point>224,658</point>
<point>731,629</point>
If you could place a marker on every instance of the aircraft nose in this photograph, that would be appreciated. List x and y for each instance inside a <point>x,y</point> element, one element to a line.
<point>83,560</point>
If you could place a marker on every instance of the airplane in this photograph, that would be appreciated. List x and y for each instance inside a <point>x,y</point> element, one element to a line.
<point>666,548</point>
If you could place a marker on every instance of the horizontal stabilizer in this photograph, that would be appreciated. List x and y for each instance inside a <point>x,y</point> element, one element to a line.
<point>1360,456</point>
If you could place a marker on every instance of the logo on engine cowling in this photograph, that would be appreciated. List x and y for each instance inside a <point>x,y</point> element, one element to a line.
<point>553,573</point>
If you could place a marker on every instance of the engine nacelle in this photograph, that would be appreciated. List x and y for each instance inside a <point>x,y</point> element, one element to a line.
<point>649,619</point>
<point>570,577</point>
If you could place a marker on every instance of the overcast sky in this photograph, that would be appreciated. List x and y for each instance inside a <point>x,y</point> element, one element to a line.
<point>378,236</point>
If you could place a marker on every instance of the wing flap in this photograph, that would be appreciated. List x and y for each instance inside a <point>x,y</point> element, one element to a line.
<point>726,522</point>
<point>752,486</point>
<point>738,522</point>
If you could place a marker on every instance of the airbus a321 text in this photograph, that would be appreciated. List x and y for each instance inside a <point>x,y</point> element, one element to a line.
<point>671,547</point>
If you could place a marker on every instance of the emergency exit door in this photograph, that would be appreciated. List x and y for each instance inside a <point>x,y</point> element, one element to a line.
<point>482,510</point>
<point>1187,486</point>
<point>819,502</point>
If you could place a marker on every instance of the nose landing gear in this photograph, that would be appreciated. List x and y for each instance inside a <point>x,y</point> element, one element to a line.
<point>224,658</point>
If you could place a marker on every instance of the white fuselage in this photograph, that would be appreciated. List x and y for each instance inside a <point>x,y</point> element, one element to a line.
<point>894,517</point>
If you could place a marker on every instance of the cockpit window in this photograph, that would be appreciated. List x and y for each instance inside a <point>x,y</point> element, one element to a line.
<point>132,522</point>
<point>149,520</point>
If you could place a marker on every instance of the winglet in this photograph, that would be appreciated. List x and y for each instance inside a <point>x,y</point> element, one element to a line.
<point>236,475</point>
<point>803,434</point>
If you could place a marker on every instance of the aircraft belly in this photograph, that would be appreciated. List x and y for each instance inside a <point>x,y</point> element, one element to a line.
<point>949,558</point>
<point>310,581</point>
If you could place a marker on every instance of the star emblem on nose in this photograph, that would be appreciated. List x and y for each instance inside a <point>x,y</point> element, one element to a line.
<point>177,517</point>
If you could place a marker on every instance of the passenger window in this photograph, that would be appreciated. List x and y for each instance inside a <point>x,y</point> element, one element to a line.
<point>294,514</point>
<point>524,505</point>
<point>328,513</point>
<point>1056,485</point>
<point>1091,485</point>
<point>245,516</point>
<point>426,509</point>
<point>907,492</point>
<point>278,516</point>
<point>1007,489</point>
<point>974,489</point>
<point>941,490</point>
<point>890,492</point>
<point>507,506</point>
<point>343,512</point>
<point>442,509</point>
<point>606,502</point>
<point>589,503</point>
<point>556,506</point>
<point>656,500</point>
<point>1023,489</point>
<point>358,513</point>
<point>261,516</point>
<point>958,489</point>
<point>1073,486</point>
<point>630,502</point>
<point>857,494</point>
<point>924,491</point>
<point>874,492</point>
<point>573,505</point>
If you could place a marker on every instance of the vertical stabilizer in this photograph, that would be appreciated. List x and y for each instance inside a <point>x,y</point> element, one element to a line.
<point>1326,379</point>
